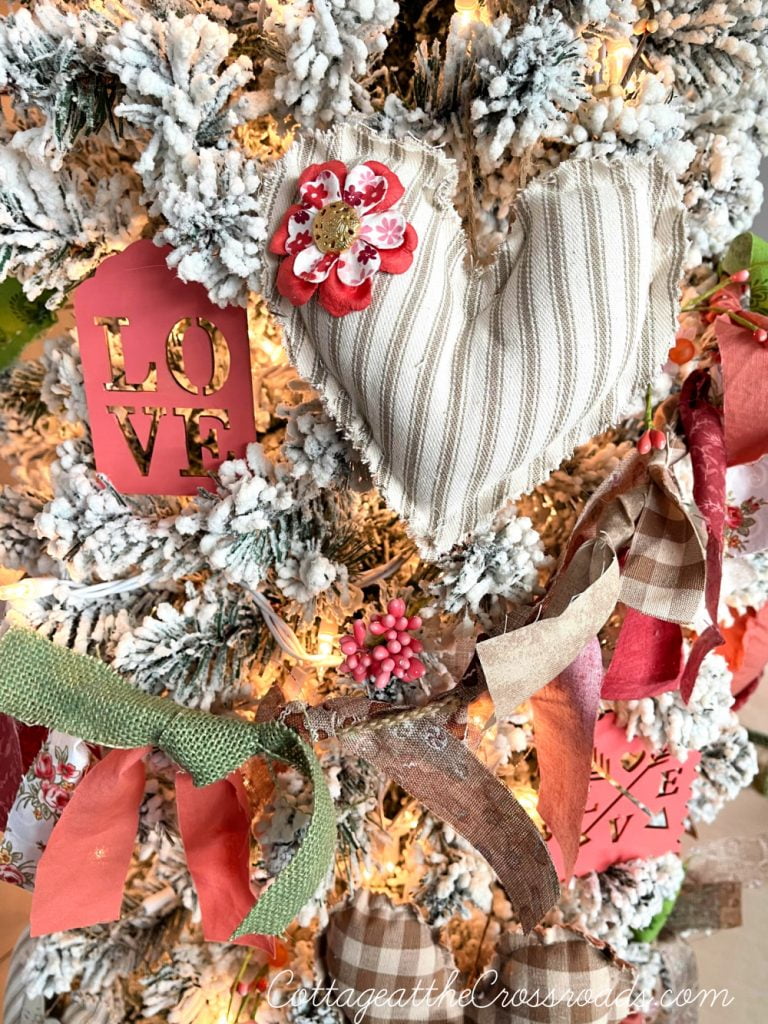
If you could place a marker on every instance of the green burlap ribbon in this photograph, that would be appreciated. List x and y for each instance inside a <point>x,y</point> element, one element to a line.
<point>42,684</point>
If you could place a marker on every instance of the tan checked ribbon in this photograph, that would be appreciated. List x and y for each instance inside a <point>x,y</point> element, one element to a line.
<point>639,507</point>
<point>376,948</point>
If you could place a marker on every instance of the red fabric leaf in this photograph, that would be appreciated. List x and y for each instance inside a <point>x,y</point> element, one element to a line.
<point>746,648</point>
<point>706,443</point>
<point>648,658</point>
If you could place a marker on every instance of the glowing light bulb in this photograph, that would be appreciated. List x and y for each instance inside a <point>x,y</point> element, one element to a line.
<point>618,55</point>
<point>468,11</point>
<point>30,589</point>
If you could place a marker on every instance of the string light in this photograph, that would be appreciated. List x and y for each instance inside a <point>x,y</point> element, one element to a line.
<point>468,11</point>
<point>618,56</point>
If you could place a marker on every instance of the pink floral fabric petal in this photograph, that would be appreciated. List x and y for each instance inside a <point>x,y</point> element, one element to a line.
<point>358,263</point>
<point>364,189</point>
<point>300,230</point>
<point>313,265</point>
<point>321,191</point>
<point>384,230</point>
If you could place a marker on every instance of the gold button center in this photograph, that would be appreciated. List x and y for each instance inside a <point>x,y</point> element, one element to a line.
<point>335,227</point>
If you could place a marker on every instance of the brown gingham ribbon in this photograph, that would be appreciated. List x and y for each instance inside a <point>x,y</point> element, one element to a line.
<point>375,948</point>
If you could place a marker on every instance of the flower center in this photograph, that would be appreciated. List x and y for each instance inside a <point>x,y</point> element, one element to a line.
<point>335,227</point>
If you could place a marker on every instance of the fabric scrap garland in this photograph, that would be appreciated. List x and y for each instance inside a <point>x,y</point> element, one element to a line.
<point>342,232</point>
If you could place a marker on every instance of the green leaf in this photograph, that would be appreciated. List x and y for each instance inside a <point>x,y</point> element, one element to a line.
<point>651,932</point>
<point>750,252</point>
<point>20,320</point>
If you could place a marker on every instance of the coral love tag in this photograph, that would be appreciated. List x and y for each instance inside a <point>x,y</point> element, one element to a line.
<point>167,375</point>
<point>637,802</point>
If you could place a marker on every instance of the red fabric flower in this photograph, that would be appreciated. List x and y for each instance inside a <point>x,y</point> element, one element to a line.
<point>341,232</point>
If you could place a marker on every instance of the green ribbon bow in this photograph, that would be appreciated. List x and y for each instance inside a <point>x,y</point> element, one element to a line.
<point>42,684</point>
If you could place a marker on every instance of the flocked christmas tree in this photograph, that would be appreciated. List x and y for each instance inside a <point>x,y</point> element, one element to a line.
<point>289,580</point>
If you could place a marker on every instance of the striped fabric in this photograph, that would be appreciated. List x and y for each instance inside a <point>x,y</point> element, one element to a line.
<point>462,388</point>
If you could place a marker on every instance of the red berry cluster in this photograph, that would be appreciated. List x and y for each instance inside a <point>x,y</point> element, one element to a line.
<point>652,439</point>
<point>384,649</point>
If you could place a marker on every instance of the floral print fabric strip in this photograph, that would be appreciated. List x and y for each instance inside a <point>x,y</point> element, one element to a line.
<point>44,793</point>
<point>343,231</point>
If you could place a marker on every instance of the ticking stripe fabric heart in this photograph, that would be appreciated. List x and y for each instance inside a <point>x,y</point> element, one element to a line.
<point>461,387</point>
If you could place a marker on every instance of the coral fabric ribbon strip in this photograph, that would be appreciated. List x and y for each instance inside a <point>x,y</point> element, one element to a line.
<point>44,684</point>
<point>81,875</point>
<point>568,707</point>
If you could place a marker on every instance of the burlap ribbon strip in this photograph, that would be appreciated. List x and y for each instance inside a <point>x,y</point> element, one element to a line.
<point>43,684</point>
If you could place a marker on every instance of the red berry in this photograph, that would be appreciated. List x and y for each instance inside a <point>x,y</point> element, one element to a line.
<point>761,335</point>
<point>348,646</point>
<point>359,674</point>
<point>402,623</point>
<point>658,440</point>
<point>388,621</point>
<point>740,277</point>
<point>366,661</point>
<point>352,662</point>
<point>414,622</point>
<point>377,628</point>
<point>381,680</point>
<point>416,646</point>
<point>644,443</point>
<point>358,629</point>
<point>379,653</point>
<point>388,665</point>
<point>396,607</point>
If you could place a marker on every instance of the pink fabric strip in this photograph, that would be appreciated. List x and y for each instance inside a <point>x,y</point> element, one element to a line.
<point>81,874</point>
<point>564,716</point>
<point>215,829</point>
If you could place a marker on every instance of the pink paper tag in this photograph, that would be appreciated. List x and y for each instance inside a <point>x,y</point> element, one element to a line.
<point>636,805</point>
<point>167,375</point>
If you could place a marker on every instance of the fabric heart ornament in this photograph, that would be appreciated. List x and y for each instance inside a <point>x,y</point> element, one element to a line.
<point>462,387</point>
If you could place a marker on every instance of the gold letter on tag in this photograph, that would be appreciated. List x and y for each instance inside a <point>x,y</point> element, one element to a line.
<point>112,327</point>
<point>195,443</point>
<point>142,455</point>
<point>174,351</point>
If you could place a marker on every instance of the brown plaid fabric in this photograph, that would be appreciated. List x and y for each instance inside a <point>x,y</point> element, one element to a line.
<point>640,509</point>
<point>573,978</point>
<point>374,946</point>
